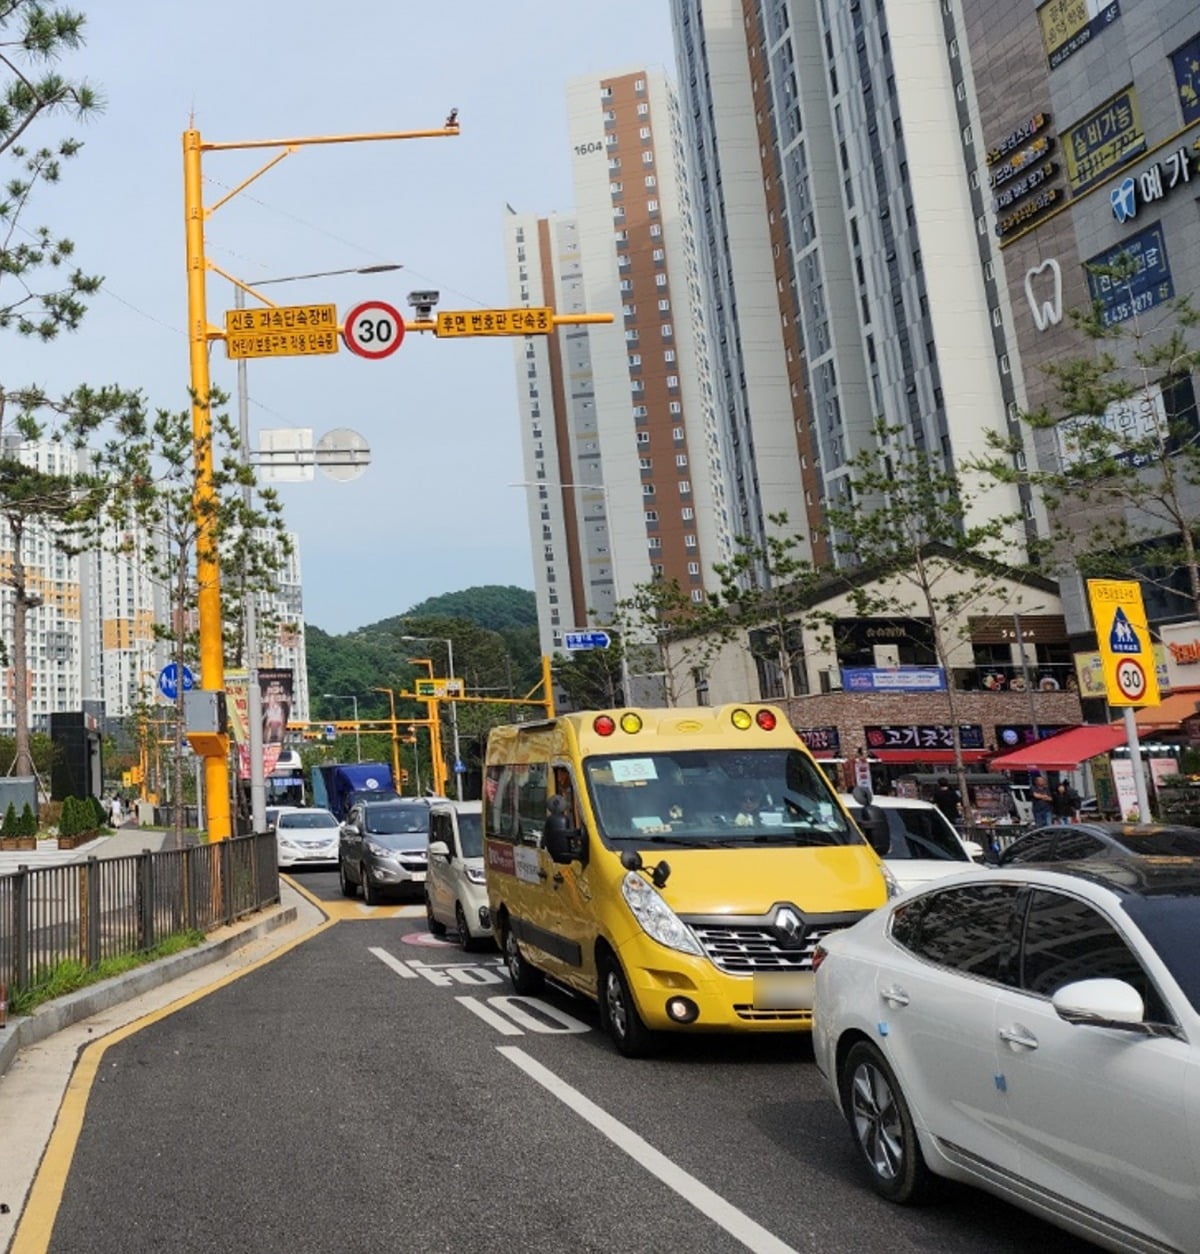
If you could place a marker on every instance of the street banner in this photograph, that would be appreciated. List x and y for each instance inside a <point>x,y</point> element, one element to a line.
<point>277,687</point>
<point>237,707</point>
<point>1123,635</point>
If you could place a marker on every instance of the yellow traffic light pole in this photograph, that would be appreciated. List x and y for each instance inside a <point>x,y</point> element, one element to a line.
<point>208,573</point>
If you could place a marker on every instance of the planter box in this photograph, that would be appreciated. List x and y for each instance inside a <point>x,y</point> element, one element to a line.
<point>73,842</point>
<point>10,844</point>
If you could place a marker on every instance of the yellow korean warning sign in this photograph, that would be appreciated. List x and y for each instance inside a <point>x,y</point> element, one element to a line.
<point>1126,650</point>
<point>281,331</point>
<point>495,322</point>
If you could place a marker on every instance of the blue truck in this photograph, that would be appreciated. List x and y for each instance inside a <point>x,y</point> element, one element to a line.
<point>339,786</point>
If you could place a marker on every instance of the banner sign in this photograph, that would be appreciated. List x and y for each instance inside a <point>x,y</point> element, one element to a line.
<point>894,679</point>
<point>1068,25</point>
<point>1103,141</point>
<point>276,686</point>
<point>1186,63</point>
<point>820,739</point>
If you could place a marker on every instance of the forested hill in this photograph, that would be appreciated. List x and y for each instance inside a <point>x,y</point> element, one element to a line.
<point>495,638</point>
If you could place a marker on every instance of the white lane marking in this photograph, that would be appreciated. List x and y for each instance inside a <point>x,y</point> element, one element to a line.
<point>738,1224</point>
<point>488,1015</point>
<point>399,967</point>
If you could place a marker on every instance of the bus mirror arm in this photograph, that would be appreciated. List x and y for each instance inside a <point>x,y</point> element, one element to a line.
<point>631,860</point>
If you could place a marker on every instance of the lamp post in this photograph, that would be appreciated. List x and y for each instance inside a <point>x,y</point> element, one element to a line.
<point>349,696</point>
<point>258,775</point>
<point>602,488</point>
<point>453,704</point>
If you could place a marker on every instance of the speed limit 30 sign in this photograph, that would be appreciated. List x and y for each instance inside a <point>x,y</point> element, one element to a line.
<point>1131,679</point>
<point>373,329</point>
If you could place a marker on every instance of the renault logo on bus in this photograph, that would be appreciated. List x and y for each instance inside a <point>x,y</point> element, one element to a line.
<point>788,926</point>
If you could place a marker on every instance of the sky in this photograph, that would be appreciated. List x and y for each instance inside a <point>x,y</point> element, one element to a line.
<point>434,512</point>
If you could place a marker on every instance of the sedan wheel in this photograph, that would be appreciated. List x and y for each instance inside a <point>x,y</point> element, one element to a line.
<point>881,1127</point>
<point>349,889</point>
<point>524,978</point>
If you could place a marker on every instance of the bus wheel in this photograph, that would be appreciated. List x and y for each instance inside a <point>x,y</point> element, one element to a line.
<point>619,1013</point>
<point>524,978</point>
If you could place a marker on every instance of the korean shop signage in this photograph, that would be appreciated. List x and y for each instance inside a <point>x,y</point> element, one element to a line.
<point>923,736</point>
<point>820,739</point>
<point>1152,184</point>
<point>1104,140</point>
<point>1068,25</point>
<point>1149,283</point>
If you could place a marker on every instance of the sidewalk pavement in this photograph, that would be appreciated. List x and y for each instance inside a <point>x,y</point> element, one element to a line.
<point>126,841</point>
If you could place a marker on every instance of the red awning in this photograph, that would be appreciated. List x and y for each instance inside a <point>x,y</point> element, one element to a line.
<point>937,757</point>
<point>1064,751</point>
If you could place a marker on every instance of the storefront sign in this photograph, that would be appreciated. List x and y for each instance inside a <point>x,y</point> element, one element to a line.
<point>1181,641</point>
<point>1104,140</point>
<point>1136,423</point>
<point>937,736</point>
<point>1186,63</point>
<point>1044,294</point>
<point>1131,277</point>
<point>820,739</point>
<point>1045,199</point>
<point>1068,25</point>
<point>1153,183</point>
<point>894,679</point>
<point>1015,735</point>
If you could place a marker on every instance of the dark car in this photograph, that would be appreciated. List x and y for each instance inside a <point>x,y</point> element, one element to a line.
<point>384,847</point>
<point>1070,842</point>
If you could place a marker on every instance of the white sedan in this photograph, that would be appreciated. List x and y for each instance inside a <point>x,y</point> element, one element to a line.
<point>306,837</point>
<point>1034,1031</point>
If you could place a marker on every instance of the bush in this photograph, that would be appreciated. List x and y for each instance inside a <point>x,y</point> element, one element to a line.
<point>99,817</point>
<point>27,824</point>
<point>9,827</point>
<point>69,824</point>
<point>50,814</point>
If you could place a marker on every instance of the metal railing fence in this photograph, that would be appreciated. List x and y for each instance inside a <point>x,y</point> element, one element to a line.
<point>108,907</point>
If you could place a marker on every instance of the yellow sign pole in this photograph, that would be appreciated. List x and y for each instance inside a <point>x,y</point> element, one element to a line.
<point>208,572</point>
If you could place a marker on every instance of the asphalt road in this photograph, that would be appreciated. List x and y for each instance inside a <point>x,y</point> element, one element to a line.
<point>367,1091</point>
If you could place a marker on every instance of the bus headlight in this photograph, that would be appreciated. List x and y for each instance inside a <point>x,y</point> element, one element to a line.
<point>655,917</point>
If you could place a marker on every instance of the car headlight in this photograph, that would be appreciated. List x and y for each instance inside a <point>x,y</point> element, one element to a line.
<point>287,842</point>
<point>657,919</point>
<point>476,875</point>
<point>380,851</point>
<point>893,884</point>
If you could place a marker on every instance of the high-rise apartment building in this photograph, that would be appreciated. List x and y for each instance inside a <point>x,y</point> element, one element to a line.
<point>1088,134</point>
<point>858,116</point>
<point>623,454</point>
<point>93,637</point>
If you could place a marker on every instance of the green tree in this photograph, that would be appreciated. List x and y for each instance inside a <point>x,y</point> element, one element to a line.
<point>1121,489</point>
<point>27,824</point>
<point>151,473</point>
<point>764,590</point>
<point>909,533</point>
<point>42,295</point>
<point>9,828</point>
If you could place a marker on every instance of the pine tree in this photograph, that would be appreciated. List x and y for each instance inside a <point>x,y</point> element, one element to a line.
<point>27,823</point>
<point>9,828</point>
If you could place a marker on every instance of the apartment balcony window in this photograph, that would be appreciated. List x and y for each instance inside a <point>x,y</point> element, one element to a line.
<point>644,132</point>
<point>643,110</point>
<point>647,489</point>
<point>643,437</point>
<point>651,515</point>
<point>645,463</point>
<point>654,543</point>
<point>685,487</point>
<point>672,380</point>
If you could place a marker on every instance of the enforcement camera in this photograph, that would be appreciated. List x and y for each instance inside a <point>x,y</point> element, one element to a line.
<point>423,303</point>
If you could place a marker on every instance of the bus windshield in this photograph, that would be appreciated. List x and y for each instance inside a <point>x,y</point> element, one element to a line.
<point>719,797</point>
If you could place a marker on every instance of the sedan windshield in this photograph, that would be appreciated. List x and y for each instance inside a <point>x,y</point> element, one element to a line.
<point>919,833</point>
<point>308,819</point>
<point>394,820</point>
<point>717,797</point>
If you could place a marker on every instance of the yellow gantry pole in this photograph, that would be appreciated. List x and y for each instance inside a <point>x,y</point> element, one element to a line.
<point>208,571</point>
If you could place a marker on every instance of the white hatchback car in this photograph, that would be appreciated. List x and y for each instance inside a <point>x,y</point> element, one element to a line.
<point>1034,1031</point>
<point>305,837</point>
<point>924,844</point>
<point>455,890</point>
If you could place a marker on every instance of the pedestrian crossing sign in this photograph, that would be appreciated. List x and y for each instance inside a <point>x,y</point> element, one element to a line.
<point>1123,637</point>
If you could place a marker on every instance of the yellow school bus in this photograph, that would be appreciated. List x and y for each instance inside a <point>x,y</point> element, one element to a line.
<point>677,866</point>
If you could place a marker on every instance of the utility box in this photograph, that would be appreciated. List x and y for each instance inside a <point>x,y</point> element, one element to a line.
<point>207,724</point>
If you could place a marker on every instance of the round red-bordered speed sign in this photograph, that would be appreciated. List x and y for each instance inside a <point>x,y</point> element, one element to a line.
<point>373,329</point>
<point>1131,679</point>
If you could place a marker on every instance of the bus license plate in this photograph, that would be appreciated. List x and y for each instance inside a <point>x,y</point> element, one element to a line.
<point>785,991</point>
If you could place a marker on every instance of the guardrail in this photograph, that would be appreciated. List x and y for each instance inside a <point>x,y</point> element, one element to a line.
<point>105,908</point>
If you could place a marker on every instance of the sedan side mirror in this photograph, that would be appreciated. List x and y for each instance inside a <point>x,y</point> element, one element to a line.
<point>351,829</point>
<point>439,849</point>
<point>1100,1003</point>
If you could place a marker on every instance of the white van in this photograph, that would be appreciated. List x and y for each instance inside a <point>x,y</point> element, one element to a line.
<point>924,846</point>
<point>455,889</point>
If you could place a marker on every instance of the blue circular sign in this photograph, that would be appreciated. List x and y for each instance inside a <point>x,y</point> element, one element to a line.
<point>168,681</point>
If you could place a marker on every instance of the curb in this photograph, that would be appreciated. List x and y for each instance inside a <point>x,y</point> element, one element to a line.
<point>64,1011</point>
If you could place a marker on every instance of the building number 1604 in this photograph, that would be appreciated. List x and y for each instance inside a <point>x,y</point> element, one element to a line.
<point>582,150</point>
